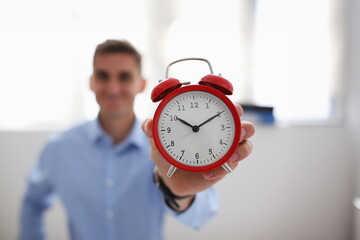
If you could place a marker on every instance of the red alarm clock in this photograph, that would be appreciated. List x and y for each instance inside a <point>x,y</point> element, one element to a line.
<point>196,127</point>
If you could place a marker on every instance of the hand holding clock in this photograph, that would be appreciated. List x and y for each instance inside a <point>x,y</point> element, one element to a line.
<point>189,183</point>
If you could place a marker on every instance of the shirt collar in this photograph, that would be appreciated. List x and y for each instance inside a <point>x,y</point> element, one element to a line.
<point>136,136</point>
<point>95,130</point>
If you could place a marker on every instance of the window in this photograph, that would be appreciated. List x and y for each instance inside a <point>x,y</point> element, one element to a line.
<point>46,58</point>
<point>285,54</point>
<point>210,30</point>
<point>297,58</point>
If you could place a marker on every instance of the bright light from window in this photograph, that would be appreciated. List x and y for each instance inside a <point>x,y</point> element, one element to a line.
<point>47,49</point>
<point>295,56</point>
<point>215,36</point>
<point>46,57</point>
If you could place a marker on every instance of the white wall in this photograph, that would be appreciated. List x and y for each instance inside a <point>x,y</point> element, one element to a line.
<point>18,152</point>
<point>296,185</point>
<point>353,98</point>
<point>353,89</point>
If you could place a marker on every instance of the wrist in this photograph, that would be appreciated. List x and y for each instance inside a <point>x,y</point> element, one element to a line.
<point>176,202</point>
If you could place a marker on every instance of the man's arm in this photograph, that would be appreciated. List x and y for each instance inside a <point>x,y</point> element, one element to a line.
<point>38,197</point>
<point>192,210</point>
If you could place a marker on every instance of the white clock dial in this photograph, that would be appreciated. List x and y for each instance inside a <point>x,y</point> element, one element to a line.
<point>196,128</point>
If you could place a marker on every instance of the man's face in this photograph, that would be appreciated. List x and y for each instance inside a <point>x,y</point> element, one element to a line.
<point>115,81</point>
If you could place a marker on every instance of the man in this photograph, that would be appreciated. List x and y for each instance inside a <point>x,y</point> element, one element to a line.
<point>102,170</point>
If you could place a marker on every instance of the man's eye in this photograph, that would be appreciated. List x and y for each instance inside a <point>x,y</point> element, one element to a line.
<point>102,76</point>
<point>125,76</point>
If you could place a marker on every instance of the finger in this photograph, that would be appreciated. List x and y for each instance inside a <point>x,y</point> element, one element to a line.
<point>247,130</point>
<point>146,126</point>
<point>239,109</point>
<point>244,149</point>
<point>143,125</point>
<point>218,173</point>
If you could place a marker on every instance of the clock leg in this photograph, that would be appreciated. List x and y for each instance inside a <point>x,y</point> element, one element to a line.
<point>171,171</point>
<point>227,167</point>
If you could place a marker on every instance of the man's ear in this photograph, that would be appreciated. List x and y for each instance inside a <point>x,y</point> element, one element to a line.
<point>142,85</point>
<point>92,82</point>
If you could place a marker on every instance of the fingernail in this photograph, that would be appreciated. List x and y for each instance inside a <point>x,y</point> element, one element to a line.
<point>243,132</point>
<point>209,174</point>
<point>234,157</point>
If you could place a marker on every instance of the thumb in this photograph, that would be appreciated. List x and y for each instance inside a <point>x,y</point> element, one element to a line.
<point>146,126</point>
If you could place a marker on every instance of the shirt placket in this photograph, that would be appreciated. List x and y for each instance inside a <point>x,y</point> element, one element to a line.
<point>109,189</point>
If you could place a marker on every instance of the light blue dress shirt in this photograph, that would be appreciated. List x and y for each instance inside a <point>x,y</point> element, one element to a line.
<point>107,189</point>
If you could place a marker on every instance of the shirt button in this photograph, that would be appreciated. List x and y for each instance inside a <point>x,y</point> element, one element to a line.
<point>109,214</point>
<point>109,183</point>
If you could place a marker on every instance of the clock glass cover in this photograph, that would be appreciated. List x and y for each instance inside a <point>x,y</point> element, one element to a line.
<point>196,129</point>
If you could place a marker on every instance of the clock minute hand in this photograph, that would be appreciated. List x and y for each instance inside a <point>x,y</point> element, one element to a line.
<point>208,120</point>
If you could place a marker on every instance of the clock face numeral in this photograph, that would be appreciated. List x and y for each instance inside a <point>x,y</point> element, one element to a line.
<point>194,105</point>
<point>181,108</point>
<point>173,118</point>
<point>196,128</point>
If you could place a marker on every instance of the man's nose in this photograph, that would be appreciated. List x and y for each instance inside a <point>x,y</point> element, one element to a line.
<point>114,86</point>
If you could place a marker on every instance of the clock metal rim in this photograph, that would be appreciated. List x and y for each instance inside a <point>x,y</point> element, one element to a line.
<point>216,93</point>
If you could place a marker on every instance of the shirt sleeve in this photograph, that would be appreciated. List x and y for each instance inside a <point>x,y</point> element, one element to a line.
<point>202,209</point>
<point>38,197</point>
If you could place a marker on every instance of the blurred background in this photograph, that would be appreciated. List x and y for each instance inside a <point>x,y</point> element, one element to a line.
<point>294,64</point>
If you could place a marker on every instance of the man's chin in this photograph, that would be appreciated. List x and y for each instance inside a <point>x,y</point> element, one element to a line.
<point>113,113</point>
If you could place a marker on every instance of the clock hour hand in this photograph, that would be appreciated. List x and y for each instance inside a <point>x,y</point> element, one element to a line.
<point>185,122</point>
<point>194,128</point>
<point>218,114</point>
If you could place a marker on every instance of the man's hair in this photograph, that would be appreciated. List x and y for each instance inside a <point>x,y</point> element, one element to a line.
<point>118,46</point>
